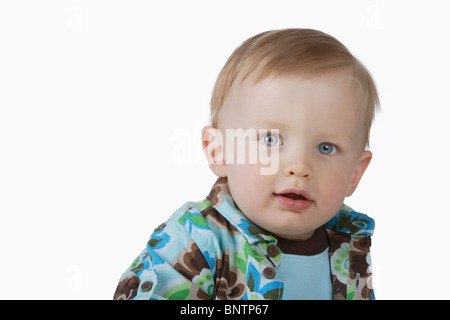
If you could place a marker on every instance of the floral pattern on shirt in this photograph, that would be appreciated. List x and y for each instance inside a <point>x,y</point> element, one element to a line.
<point>210,250</point>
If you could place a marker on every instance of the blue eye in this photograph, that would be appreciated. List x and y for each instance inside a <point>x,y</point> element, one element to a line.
<point>326,148</point>
<point>271,140</point>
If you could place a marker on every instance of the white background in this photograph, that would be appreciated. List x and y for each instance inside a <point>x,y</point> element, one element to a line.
<point>101,109</point>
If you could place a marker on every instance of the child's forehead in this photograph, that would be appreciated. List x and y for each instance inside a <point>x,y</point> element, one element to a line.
<point>279,102</point>
<point>258,91</point>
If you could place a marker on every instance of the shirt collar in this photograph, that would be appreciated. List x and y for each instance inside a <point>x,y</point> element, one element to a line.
<point>346,220</point>
<point>221,199</point>
<point>351,222</point>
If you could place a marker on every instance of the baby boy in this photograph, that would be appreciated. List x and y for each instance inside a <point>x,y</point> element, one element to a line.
<point>274,225</point>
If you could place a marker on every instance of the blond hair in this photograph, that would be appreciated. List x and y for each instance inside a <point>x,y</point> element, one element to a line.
<point>284,52</point>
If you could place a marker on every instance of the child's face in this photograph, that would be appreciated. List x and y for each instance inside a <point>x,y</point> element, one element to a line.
<point>319,150</point>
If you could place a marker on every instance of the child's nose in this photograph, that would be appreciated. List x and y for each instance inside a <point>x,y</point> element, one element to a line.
<point>299,168</point>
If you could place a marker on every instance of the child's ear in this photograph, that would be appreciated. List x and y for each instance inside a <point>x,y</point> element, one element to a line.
<point>212,143</point>
<point>358,172</point>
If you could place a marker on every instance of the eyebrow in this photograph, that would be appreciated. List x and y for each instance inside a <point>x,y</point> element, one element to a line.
<point>339,136</point>
<point>271,124</point>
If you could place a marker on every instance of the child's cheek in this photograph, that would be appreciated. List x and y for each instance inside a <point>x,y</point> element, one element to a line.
<point>246,182</point>
<point>333,191</point>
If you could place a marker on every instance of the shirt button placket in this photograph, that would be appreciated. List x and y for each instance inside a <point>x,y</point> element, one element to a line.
<point>273,250</point>
<point>146,286</point>
<point>269,272</point>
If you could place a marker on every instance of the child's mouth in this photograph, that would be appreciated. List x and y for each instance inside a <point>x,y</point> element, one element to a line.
<point>294,196</point>
<point>294,200</point>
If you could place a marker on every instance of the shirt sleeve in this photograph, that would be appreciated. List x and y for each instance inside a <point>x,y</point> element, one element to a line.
<point>177,271</point>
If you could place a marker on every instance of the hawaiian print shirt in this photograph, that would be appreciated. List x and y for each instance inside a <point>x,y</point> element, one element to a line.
<point>210,250</point>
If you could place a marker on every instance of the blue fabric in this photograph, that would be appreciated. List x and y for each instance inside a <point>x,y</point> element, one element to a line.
<point>306,277</point>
